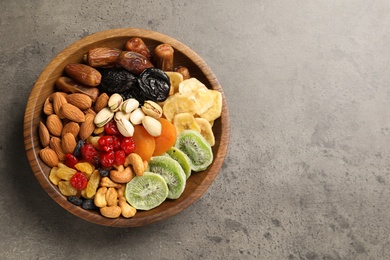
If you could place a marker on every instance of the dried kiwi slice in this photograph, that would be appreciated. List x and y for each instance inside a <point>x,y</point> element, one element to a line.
<point>195,146</point>
<point>147,191</point>
<point>171,171</point>
<point>176,154</point>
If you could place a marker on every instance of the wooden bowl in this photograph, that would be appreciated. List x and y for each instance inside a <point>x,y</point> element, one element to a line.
<point>196,185</point>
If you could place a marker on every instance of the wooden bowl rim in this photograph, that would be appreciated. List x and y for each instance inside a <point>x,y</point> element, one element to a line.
<point>32,145</point>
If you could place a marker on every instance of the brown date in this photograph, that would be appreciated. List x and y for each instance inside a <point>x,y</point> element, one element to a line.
<point>138,45</point>
<point>68,85</point>
<point>134,62</point>
<point>163,58</point>
<point>84,74</point>
<point>103,57</point>
<point>183,71</point>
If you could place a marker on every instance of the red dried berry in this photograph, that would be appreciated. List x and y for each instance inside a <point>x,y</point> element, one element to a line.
<point>106,143</point>
<point>89,153</point>
<point>116,143</point>
<point>70,160</point>
<point>79,181</point>
<point>128,145</point>
<point>120,157</point>
<point>107,159</point>
<point>111,129</point>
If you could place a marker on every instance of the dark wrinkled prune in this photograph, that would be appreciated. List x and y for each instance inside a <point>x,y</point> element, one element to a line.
<point>155,84</point>
<point>104,172</point>
<point>75,200</point>
<point>134,93</point>
<point>117,80</point>
<point>77,149</point>
<point>88,204</point>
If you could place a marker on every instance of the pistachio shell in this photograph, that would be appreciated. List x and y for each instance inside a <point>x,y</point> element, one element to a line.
<point>136,116</point>
<point>125,127</point>
<point>129,105</point>
<point>115,102</point>
<point>103,117</point>
<point>152,126</point>
<point>152,109</point>
<point>121,114</point>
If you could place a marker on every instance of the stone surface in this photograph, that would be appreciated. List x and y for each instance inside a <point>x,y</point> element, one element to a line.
<point>307,174</point>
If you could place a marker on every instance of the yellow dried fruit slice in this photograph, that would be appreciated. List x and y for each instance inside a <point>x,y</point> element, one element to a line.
<point>85,167</point>
<point>216,109</point>
<point>53,176</point>
<point>206,130</point>
<point>93,184</point>
<point>176,78</point>
<point>191,86</point>
<point>185,121</point>
<point>66,188</point>
<point>177,104</point>
<point>65,173</point>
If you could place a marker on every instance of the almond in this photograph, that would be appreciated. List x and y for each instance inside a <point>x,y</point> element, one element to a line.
<point>87,127</point>
<point>71,127</point>
<point>80,100</point>
<point>44,135</point>
<point>101,102</point>
<point>55,145</point>
<point>48,107</point>
<point>72,113</point>
<point>90,111</point>
<point>58,100</point>
<point>68,143</point>
<point>49,156</point>
<point>54,125</point>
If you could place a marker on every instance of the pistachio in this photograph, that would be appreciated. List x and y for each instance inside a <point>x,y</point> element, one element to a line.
<point>129,105</point>
<point>103,117</point>
<point>115,102</point>
<point>125,127</point>
<point>152,126</point>
<point>121,114</point>
<point>136,116</point>
<point>152,109</point>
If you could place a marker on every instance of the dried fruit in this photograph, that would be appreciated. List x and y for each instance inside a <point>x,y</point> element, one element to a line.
<point>163,58</point>
<point>84,167</point>
<point>84,74</point>
<point>103,57</point>
<point>66,188</point>
<point>155,84</point>
<point>136,44</point>
<point>79,181</point>
<point>70,86</point>
<point>71,160</point>
<point>93,184</point>
<point>134,62</point>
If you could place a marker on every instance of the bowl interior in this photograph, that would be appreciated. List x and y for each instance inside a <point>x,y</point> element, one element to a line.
<point>196,185</point>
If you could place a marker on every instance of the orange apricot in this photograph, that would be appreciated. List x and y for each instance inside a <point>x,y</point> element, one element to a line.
<point>167,138</point>
<point>144,143</point>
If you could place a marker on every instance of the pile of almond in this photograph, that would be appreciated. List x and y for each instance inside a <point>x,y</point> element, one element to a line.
<point>69,117</point>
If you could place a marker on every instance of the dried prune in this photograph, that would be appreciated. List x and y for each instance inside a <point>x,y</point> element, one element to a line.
<point>117,80</point>
<point>155,84</point>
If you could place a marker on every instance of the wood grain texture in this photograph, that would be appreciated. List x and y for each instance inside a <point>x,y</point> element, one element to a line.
<point>196,185</point>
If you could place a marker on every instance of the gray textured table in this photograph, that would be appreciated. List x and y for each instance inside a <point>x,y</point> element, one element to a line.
<point>307,174</point>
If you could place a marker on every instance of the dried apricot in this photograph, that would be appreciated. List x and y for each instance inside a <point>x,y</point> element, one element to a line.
<point>144,143</point>
<point>167,138</point>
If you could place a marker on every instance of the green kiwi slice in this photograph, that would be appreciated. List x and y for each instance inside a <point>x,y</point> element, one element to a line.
<point>176,154</point>
<point>197,149</point>
<point>147,191</point>
<point>172,173</point>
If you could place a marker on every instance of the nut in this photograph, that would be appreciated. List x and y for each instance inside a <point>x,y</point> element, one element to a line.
<point>107,182</point>
<point>111,212</point>
<point>122,175</point>
<point>103,117</point>
<point>129,105</point>
<point>44,135</point>
<point>101,102</point>
<point>136,162</point>
<point>80,100</point>
<point>58,100</point>
<point>136,116</point>
<point>127,210</point>
<point>112,197</point>
<point>84,74</point>
<point>152,109</point>
<point>125,127</point>
<point>48,107</point>
<point>72,113</point>
<point>115,102</point>
<point>152,126</point>
<point>71,127</point>
<point>100,197</point>
<point>54,125</point>
<point>49,156</point>
<point>121,114</point>
<point>68,143</point>
<point>87,127</point>
<point>56,146</point>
